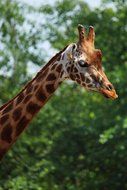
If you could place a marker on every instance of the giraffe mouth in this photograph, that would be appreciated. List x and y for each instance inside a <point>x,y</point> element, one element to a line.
<point>108,93</point>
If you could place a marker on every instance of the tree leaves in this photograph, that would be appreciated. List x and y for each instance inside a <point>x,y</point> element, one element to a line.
<point>78,140</point>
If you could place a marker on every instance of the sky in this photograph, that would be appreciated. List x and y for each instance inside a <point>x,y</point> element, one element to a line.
<point>92,3</point>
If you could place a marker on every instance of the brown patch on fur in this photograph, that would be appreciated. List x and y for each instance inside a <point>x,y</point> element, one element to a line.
<point>61,73</point>
<point>72,67</point>
<point>35,87</point>
<point>29,89</point>
<point>75,70</point>
<point>33,108</point>
<point>21,125</point>
<point>87,80</point>
<point>78,81</point>
<point>78,76</point>
<point>20,98</point>
<point>3,119</point>
<point>27,98</point>
<point>72,77</point>
<point>8,108</point>
<point>68,69</point>
<point>17,113</point>
<point>84,84</point>
<point>54,66</point>
<point>42,75</point>
<point>58,69</point>
<point>51,77</point>
<point>59,58</point>
<point>60,83</point>
<point>82,77</point>
<point>94,78</point>
<point>6,133</point>
<point>40,95</point>
<point>89,85</point>
<point>50,88</point>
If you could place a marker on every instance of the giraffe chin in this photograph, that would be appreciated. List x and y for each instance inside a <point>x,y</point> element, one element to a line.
<point>108,94</point>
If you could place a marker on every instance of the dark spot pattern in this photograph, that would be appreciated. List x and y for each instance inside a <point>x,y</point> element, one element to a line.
<point>78,76</point>
<point>17,113</point>
<point>72,67</point>
<point>54,66</point>
<point>50,88</point>
<point>40,95</point>
<point>58,59</point>
<point>21,125</point>
<point>58,69</point>
<point>27,98</point>
<point>42,75</point>
<point>20,98</point>
<point>3,119</point>
<point>72,77</point>
<point>78,81</point>
<point>84,84</point>
<point>90,85</point>
<point>32,108</point>
<point>51,77</point>
<point>35,87</point>
<point>6,133</point>
<point>60,83</point>
<point>95,78</point>
<point>82,77</point>
<point>29,88</point>
<point>87,80</point>
<point>75,70</point>
<point>61,73</point>
<point>68,69</point>
<point>8,108</point>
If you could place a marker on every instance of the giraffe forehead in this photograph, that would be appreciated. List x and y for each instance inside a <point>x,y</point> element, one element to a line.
<point>90,51</point>
<point>81,55</point>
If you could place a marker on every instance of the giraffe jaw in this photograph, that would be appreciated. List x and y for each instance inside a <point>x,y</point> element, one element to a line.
<point>108,94</point>
<point>105,92</point>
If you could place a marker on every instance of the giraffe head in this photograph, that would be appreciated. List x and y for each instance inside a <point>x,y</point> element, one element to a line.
<point>85,65</point>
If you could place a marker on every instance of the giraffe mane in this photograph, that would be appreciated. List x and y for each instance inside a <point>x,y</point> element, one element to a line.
<point>52,60</point>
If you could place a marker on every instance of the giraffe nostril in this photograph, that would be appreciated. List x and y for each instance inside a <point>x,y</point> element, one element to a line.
<point>110,87</point>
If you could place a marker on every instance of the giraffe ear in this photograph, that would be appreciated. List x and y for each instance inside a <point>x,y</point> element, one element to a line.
<point>74,47</point>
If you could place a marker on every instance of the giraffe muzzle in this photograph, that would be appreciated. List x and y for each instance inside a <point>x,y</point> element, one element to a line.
<point>109,93</point>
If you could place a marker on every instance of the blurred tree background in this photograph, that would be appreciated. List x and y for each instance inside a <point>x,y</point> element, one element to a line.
<point>83,146</point>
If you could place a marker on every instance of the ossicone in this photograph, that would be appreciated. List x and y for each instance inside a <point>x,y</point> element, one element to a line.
<point>82,34</point>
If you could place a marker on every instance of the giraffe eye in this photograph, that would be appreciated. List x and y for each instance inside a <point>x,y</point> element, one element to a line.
<point>83,63</point>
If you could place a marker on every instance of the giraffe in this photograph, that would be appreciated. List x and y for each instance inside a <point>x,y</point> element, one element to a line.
<point>80,62</point>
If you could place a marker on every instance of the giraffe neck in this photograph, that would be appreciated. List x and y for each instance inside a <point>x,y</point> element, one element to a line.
<point>18,112</point>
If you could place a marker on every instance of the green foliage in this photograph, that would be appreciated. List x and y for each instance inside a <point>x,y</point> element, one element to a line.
<point>78,140</point>
<point>19,42</point>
